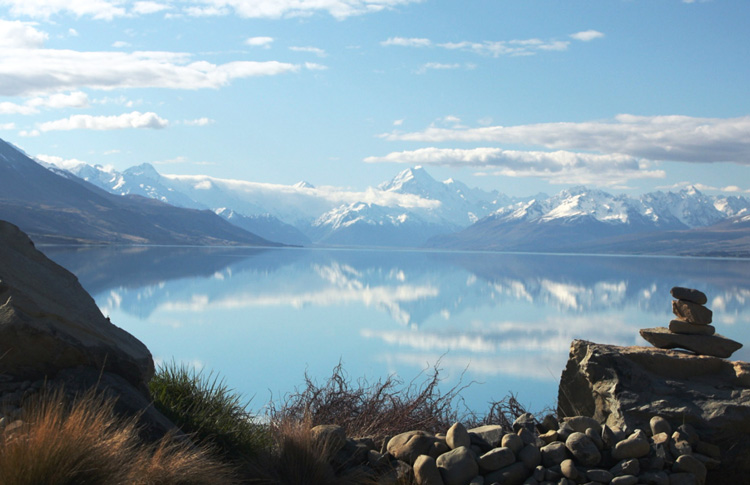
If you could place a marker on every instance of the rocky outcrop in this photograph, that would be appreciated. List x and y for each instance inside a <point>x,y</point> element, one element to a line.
<point>625,387</point>
<point>48,322</point>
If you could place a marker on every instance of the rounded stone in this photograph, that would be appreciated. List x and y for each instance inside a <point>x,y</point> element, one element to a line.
<point>660,425</point>
<point>426,471</point>
<point>553,453</point>
<point>329,437</point>
<point>457,436</point>
<point>595,437</point>
<point>599,475</point>
<point>512,441</point>
<point>690,464</point>
<point>583,449</point>
<point>568,469</point>
<point>496,459</point>
<point>634,446</point>
<point>581,423</point>
<point>458,467</point>
<point>409,445</point>
<point>530,456</point>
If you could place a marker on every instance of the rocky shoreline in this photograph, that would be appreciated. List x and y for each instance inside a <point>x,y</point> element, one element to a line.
<point>626,415</point>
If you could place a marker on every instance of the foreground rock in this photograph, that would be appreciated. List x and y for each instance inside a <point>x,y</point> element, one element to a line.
<point>53,335</point>
<point>625,387</point>
<point>48,322</point>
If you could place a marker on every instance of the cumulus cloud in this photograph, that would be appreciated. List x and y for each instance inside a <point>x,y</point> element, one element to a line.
<point>438,66</point>
<point>145,8</point>
<point>587,35</point>
<point>407,42</point>
<point>557,167</point>
<point>313,50</point>
<point>26,72</point>
<point>135,119</point>
<point>65,164</point>
<point>44,9</point>
<point>339,9</point>
<point>261,41</point>
<point>670,138</point>
<point>16,34</point>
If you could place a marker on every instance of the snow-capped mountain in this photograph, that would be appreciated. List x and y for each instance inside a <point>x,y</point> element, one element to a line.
<point>272,228</point>
<point>580,218</point>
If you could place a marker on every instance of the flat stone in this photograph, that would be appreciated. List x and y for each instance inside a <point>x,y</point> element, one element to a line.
<point>496,459</point>
<point>691,312</point>
<point>714,345</point>
<point>689,294</point>
<point>491,434</point>
<point>687,328</point>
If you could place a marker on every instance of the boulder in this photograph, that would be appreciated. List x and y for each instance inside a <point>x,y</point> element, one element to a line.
<point>457,436</point>
<point>409,445</point>
<point>48,322</point>
<point>714,345</point>
<point>624,387</point>
<point>458,467</point>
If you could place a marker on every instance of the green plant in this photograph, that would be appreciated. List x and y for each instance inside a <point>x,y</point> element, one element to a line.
<point>204,407</point>
<point>85,442</point>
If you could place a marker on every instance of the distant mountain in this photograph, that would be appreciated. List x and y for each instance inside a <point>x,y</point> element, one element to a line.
<point>57,207</point>
<point>266,225</point>
<point>581,219</point>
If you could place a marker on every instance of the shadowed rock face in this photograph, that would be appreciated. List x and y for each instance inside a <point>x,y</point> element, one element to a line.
<point>48,322</point>
<point>624,387</point>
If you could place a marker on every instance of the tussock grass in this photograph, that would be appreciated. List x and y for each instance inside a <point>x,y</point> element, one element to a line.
<point>86,443</point>
<point>203,406</point>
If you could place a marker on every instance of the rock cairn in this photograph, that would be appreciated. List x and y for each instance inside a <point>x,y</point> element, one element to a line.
<point>692,329</point>
<point>580,450</point>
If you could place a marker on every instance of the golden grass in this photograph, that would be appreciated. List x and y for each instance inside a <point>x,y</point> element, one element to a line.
<point>87,443</point>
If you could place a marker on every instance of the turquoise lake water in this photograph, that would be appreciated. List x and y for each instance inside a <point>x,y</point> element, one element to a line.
<point>264,317</point>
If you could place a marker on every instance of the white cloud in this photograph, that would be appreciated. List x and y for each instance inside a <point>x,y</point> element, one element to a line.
<point>407,42</point>
<point>260,41</point>
<point>518,47</point>
<point>313,50</point>
<point>312,66</point>
<point>72,32</point>
<point>44,9</point>
<point>119,44</point>
<point>145,8</point>
<point>8,108</point>
<point>437,66</point>
<point>24,72</point>
<point>398,122</point>
<point>557,167</point>
<point>65,164</point>
<point>135,119</point>
<point>199,122</point>
<point>339,9</point>
<point>671,138</point>
<point>75,99</point>
<point>15,34</point>
<point>587,35</point>
<point>7,126</point>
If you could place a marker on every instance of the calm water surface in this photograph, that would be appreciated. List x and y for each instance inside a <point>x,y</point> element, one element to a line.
<point>264,317</point>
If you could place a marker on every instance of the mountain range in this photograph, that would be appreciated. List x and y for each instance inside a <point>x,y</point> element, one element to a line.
<point>410,210</point>
<point>53,206</point>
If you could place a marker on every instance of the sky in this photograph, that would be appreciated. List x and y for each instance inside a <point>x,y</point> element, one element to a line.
<point>520,96</point>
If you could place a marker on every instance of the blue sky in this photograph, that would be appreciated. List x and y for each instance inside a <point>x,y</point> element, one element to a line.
<point>520,96</point>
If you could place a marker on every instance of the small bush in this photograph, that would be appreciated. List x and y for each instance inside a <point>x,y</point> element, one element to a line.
<point>87,443</point>
<point>204,407</point>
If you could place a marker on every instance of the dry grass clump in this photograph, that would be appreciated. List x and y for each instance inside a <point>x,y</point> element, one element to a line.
<point>86,443</point>
<point>377,410</point>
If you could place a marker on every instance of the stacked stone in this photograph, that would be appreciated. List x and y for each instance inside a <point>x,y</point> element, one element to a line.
<point>692,329</point>
<point>580,450</point>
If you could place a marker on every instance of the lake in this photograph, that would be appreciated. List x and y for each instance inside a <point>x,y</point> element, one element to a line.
<point>264,317</point>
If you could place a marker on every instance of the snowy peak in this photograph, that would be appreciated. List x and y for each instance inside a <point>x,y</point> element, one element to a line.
<point>415,181</point>
<point>303,185</point>
<point>144,170</point>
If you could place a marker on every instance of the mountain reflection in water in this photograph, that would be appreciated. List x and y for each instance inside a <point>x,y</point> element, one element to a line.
<point>262,317</point>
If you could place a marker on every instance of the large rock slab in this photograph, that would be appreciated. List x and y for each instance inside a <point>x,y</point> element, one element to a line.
<point>714,345</point>
<point>624,387</point>
<point>48,322</point>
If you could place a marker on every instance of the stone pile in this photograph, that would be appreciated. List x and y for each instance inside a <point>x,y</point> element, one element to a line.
<point>692,329</point>
<point>578,451</point>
